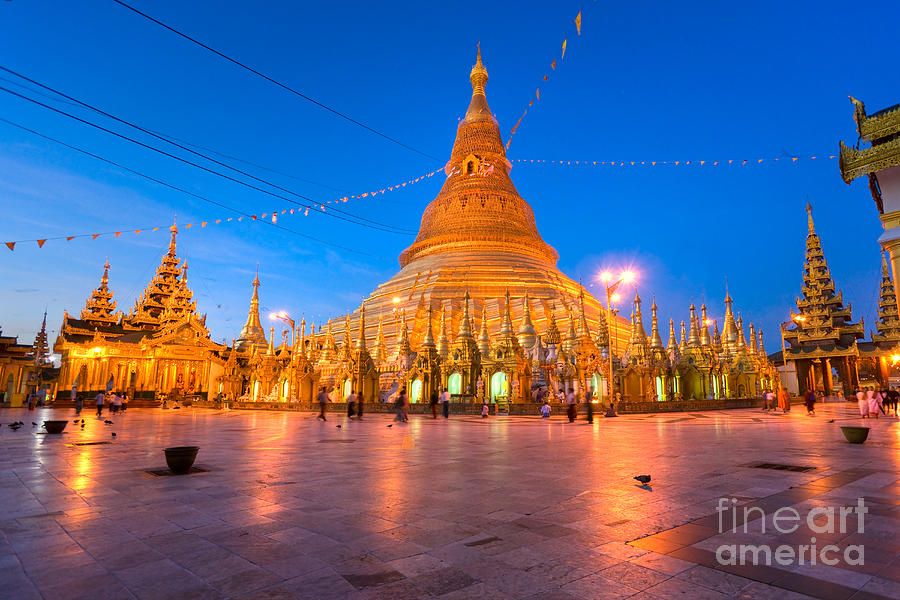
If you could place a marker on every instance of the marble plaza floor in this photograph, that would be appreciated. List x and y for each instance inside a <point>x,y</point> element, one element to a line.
<point>502,508</point>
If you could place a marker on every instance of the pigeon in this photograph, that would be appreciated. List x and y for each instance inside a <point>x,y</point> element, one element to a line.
<point>391,425</point>
<point>338,426</point>
<point>82,420</point>
<point>831,421</point>
<point>33,424</point>
<point>114,434</point>
<point>645,479</point>
<point>108,422</point>
<point>75,421</point>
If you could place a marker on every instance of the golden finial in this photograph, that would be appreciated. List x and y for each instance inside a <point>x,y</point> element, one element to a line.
<point>428,341</point>
<point>361,342</point>
<point>809,219</point>
<point>465,330</point>
<point>174,230</point>
<point>884,265</point>
<point>479,75</point>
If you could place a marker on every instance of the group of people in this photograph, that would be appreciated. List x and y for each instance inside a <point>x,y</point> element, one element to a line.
<point>871,402</point>
<point>117,401</point>
<point>775,402</point>
<point>444,400</point>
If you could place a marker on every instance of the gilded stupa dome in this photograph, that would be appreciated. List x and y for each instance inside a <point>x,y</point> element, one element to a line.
<point>478,204</point>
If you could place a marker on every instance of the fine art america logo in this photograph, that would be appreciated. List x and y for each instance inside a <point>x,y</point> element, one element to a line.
<point>822,520</point>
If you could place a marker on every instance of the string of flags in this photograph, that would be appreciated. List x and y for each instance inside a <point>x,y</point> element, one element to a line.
<point>273,216</point>
<point>537,93</point>
<point>677,163</point>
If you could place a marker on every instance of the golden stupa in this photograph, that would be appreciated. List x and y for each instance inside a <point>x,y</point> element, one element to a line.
<point>479,236</point>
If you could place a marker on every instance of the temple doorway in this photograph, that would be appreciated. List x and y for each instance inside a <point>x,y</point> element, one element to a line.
<point>415,394</point>
<point>454,383</point>
<point>499,386</point>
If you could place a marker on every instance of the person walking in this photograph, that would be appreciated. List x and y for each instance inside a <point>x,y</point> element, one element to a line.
<point>116,403</point>
<point>124,401</point>
<point>445,403</point>
<point>873,397</point>
<point>784,402</point>
<point>485,411</point>
<point>589,400</point>
<point>769,402</point>
<point>99,399</point>
<point>359,405</point>
<point>351,404</point>
<point>434,403</point>
<point>862,403</point>
<point>810,403</point>
<point>571,408</point>
<point>76,401</point>
<point>322,398</point>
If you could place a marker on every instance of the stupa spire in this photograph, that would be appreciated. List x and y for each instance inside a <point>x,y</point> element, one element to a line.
<point>465,330</point>
<point>655,339</point>
<point>527,335</point>
<point>379,353</point>
<point>673,341</point>
<point>361,340</point>
<point>693,337</point>
<point>638,333</point>
<point>252,332</point>
<point>428,340</point>
<point>506,327</point>
<point>443,343</point>
<point>704,328</point>
<point>484,340</point>
<point>682,345</point>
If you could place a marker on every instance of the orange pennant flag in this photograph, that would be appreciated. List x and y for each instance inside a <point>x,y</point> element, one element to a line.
<point>95,236</point>
<point>242,218</point>
<point>253,217</point>
<point>545,78</point>
<point>230,219</point>
<point>155,229</point>
<point>794,158</point>
<point>743,163</point>
<point>292,211</point>
<point>538,93</point>
<point>118,233</point>
<point>553,64</point>
<point>759,161</point>
<point>203,224</point>
<point>305,212</point>
<point>218,221</point>
<point>563,50</point>
<point>41,243</point>
<point>284,211</point>
<point>70,238</point>
<point>531,102</point>
<point>715,163</point>
<point>676,163</point>
<point>578,22</point>
<point>274,218</point>
<point>11,245</point>
<point>137,231</point>
<point>188,226</point>
<point>730,161</point>
<point>653,163</point>
<point>701,162</point>
<point>264,215</point>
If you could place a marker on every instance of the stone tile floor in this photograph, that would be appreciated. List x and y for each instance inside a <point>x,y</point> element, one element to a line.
<point>503,508</point>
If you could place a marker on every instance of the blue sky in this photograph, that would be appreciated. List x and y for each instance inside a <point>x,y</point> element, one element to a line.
<point>645,81</point>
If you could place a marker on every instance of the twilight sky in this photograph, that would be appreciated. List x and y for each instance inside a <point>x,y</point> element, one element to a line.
<point>645,82</point>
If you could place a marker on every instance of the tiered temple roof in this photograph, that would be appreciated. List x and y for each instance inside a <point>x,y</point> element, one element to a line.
<point>882,131</point>
<point>153,300</point>
<point>888,323</point>
<point>822,322</point>
<point>100,308</point>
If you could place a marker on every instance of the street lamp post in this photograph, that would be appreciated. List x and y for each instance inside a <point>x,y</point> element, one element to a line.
<point>611,296</point>
<point>283,317</point>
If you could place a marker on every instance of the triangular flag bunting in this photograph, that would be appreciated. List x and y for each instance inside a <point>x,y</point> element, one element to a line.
<point>563,50</point>
<point>578,22</point>
<point>11,245</point>
<point>137,231</point>
<point>203,224</point>
<point>553,64</point>
<point>41,243</point>
<point>95,236</point>
<point>70,238</point>
<point>118,233</point>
